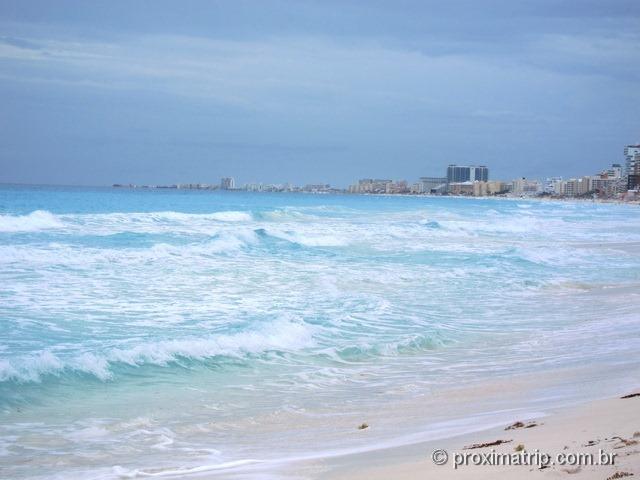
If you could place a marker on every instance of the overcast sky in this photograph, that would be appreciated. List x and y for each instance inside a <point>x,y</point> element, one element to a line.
<point>314,91</point>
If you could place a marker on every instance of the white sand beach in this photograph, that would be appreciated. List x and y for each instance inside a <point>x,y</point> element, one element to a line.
<point>605,429</point>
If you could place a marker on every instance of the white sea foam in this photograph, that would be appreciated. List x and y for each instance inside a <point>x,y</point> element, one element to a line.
<point>232,216</point>
<point>274,336</point>
<point>288,215</point>
<point>308,240</point>
<point>171,216</point>
<point>181,471</point>
<point>30,368</point>
<point>119,222</point>
<point>37,220</point>
<point>55,253</point>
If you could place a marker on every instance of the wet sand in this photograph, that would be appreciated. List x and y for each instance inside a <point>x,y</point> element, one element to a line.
<point>602,428</point>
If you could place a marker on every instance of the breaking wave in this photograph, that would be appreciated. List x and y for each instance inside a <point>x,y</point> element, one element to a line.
<point>232,216</point>
<point>37,220</point>
<point>304,239</point>
<point>283,335</point>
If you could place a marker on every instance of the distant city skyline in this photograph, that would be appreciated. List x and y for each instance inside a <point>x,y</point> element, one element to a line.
<point>616,181</point>
<point>96,93</point>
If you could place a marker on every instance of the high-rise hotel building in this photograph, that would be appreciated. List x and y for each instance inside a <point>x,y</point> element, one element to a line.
<point>458,173</point>
<point>227,183</point>
<point>632,166</point>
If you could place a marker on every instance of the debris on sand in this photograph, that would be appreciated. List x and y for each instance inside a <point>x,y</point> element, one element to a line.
<point>618,475</point>
<point>488,444</point>
<point>631,395</point>
<point>521,425</point>
<point>624,442</point>
<point>363,426</point>
<point>572,470</point>
<point>515,425</point>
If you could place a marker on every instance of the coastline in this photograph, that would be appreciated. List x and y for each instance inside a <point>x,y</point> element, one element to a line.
<point>594,417</point>
<point>538,198</point>
<point>148,188</point>
<point>598,427</point>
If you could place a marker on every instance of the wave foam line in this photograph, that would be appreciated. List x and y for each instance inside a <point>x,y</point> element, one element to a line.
<point>34,221</point>
<point>170,472</point>
<point>45,220</point>
<point>305,239</point>
<point>279,335</point>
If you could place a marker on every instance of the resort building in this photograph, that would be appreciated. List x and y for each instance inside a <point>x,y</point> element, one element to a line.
<point>467,173</point>
<point>632,159</point>
<point>370,185</point>
<point>576,186</point>
<point>317,188</point>
<point>478,188</point>
<point>433,184</point>
<point>461,188</point>
<point>553,186</point>
<point>632,164</point>
<point>609,182</point>
<point>227,183</point>
<point>522,186</point>
<point>604,186</point>
<point>495,187</point>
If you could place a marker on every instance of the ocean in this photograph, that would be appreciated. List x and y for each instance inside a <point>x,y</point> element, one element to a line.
<point>177,333</point>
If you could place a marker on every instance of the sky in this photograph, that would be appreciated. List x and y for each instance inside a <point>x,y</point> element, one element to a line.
<point>156,91</point>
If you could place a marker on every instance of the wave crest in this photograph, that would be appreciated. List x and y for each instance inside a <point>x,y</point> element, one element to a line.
<point>232,216</point>
<point>34,221</point>
<point>275,336</point>
<point>303,238</point>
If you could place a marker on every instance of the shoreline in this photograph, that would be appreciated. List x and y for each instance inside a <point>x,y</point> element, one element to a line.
<point>147,188</point>
<point>597,428</point>
<point>560,421</point>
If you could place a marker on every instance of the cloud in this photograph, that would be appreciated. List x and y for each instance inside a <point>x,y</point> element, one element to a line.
<point>305,73</point>
<point>323,80</point>
<point>20,43</point>
<point>614,56</point>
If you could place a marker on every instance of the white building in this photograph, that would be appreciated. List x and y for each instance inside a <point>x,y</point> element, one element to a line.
<point>370,185</point>
<point>461,188</point>
<point>496,186</point>
<point>253,187</point>
<point>522,186</point>
<point>227,183</point>
<point>608,182</point>
<point>553,185</point>
<point>433,184</point>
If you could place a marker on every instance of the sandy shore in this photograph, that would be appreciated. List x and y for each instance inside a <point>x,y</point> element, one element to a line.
<point>607,429</point>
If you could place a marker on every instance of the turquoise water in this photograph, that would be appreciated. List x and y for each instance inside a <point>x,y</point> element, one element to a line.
<point>171,332</point>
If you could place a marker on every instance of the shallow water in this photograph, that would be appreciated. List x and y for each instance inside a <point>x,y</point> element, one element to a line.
<point>171,332</point>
